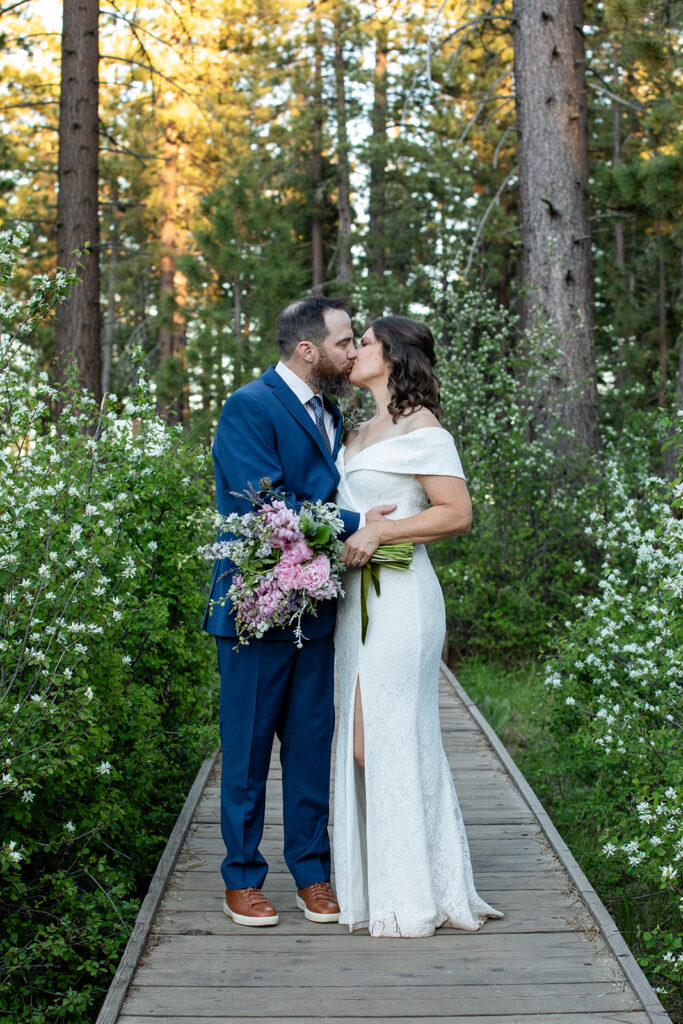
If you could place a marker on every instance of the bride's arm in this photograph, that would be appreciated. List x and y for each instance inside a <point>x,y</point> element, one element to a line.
<point>450,513</point>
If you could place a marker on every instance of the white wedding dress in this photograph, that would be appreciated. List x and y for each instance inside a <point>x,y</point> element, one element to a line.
<point>402,862</point>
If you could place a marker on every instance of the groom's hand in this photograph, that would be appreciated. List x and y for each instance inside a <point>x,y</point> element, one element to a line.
<point>377,514</point>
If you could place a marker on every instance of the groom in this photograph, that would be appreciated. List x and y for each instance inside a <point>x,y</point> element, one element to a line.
<point>283,427</point>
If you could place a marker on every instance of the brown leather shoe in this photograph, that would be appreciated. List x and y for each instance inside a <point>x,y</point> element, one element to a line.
<point>318,902</point>
<point>250,907</point>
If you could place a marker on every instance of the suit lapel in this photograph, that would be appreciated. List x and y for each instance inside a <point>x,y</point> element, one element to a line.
<point>290,401</point>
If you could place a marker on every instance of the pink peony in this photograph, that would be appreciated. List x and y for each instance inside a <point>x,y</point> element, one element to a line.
<point>287,575</point>
<point>315,575</point>
<point>298,552</point>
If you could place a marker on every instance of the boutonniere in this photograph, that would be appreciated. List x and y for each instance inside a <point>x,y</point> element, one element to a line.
<point>350,419</point>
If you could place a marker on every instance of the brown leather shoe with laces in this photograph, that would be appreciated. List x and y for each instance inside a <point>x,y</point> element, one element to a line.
<point>318,902</point>
<point>250,907</point>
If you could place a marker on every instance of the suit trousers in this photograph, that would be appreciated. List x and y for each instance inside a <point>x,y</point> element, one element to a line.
<point>268,688</point>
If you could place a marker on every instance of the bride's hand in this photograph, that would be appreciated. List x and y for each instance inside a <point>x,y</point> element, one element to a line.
<point>360,547</point>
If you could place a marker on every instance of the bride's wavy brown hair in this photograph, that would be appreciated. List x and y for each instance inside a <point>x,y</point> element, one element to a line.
<point>408,347</point>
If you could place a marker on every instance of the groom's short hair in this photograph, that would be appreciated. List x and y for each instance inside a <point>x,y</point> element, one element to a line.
<point>304,320</point>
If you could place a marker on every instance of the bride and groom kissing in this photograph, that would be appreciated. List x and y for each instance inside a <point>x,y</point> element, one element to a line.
<point>401,858</point>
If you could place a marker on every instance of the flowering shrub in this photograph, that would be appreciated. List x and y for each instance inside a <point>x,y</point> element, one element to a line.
<point>616,711</point>
<point>106,679</point>
<point>508,582</point>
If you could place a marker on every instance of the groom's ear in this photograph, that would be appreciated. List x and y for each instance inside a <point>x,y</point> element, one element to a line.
<point>306,350</point>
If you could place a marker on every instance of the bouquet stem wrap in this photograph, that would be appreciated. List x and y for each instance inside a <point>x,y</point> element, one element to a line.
<point>393,556</point>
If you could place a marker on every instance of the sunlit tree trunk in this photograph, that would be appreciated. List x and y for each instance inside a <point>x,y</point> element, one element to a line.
<point>557,296</point>
<point>172,369</point>
<point>77,328</point>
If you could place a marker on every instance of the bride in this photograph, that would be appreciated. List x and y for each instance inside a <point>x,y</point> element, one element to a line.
<point>401,857</point>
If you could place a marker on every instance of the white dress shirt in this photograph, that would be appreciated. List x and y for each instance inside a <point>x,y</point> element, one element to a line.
<point>304,392</point>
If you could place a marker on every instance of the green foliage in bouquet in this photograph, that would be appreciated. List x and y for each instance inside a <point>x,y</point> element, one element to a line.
<point>107,682</point>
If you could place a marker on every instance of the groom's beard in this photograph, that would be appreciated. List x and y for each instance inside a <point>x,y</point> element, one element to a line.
<point>326,377</point>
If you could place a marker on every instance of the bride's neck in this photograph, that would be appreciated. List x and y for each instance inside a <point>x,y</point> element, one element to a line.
<point>381,396</point>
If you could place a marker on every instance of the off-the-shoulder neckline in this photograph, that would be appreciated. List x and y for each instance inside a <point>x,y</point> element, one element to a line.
<point>386,440</point>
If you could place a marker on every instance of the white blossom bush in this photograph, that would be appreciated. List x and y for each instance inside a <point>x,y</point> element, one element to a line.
<point>106,681</point>
<point>616,714</point>
<point>510,580</point>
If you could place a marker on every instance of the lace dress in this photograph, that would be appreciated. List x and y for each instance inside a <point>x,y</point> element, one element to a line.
<point>402,862</point>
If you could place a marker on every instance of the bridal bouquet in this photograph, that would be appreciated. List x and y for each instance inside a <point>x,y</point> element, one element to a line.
<point>286,561</point>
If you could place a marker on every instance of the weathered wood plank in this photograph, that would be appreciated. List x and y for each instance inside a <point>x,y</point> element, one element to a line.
<point>206,875</point>
<point>613,1017</point>
<point>428,1001</point>
<point>329,943</point>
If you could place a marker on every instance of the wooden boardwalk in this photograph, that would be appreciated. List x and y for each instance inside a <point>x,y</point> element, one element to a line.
<point>555,958</point>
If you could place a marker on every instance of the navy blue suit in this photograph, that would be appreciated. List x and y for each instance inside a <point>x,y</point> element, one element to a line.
<point>270,686</point>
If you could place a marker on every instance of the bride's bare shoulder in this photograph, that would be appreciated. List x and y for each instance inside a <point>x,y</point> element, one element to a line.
<point>421,418</point>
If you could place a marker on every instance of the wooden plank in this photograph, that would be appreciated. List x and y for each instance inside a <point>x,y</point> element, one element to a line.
<point>116,994</point>
<point>206,875</point>
<point>181,921</point>
<point>429,1001</point>
<point>329,942</point>
<point>614,1017</point>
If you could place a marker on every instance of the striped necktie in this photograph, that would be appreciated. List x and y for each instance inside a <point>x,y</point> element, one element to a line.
<point>316,405</point>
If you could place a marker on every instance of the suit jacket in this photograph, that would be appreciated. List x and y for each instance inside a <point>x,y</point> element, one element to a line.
<point>265,431</point>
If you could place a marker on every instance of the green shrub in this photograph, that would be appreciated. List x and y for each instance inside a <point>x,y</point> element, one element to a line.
<point>108,684</point>
<point>614,713</point>
<point>510,581</point>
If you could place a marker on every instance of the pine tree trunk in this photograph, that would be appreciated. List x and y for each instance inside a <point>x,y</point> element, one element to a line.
<point>318,259</point>
<point>663,334</point>
<point>671,454</point>
<point>167,393</point>
<point>619,233</point>
<point>344,262</point>
<point>182,403</point>
<point>77,328</point>
<point>110,315</point>
<point>377,219</point>
<point>553,168</point>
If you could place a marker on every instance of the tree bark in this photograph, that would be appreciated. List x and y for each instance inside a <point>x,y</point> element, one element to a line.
<point>110,315</point>
<point>619,230</point>
<point>237,321</point>
<point>377,218</point>
<point>171,380</point>
<point>77,327</point>
<point>318,259</point>
<point>663,334</point>
<point>557,297</point>
<point>344,262</point>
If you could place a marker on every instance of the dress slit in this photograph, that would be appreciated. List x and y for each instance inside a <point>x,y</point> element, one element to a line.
<point>356,837</point>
